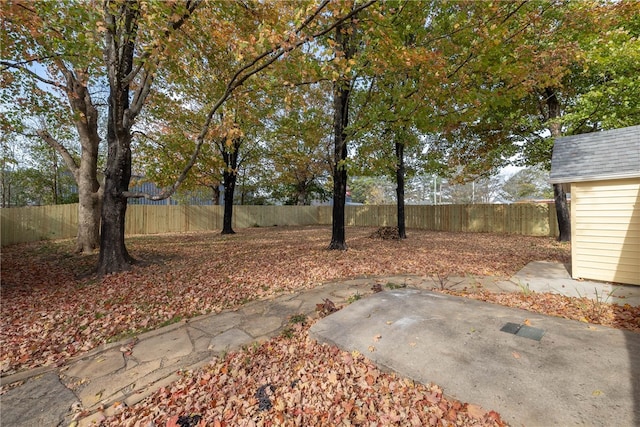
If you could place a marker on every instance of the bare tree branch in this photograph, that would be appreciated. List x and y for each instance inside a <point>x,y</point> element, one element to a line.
<point>56,145</point>
<point>29,61</point>
<point>33,74</point>
<point>461,65</point>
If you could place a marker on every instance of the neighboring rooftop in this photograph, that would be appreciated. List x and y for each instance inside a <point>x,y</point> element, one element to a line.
<point>612,154</point>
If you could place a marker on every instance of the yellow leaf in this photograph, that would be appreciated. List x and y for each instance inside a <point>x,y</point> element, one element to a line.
<point>279,405</point>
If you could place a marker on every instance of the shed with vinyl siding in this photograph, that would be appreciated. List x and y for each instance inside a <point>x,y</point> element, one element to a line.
<point>601,170</point>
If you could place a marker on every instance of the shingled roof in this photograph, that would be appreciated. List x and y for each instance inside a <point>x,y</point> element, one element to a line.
<point>596,156</point>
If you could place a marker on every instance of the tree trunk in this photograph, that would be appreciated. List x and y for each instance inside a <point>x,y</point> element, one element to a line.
<point>402,233</point>
<point>89,204</point>
<point>341,93</point>
<point>54,184</point>
<point>229,189</point>
<point>562,212</point>
<point>4,185</point>
<point>230,175</point>
<point>560,197</point>
<point>86,176</point>
<point>302,192</point>
<point>338,238</point>
<point>215,199</point>
<point>89,212</point>
<point>341,105</point>
<point>114,256</point>
<point>85,117</point>
<point>89,191</point>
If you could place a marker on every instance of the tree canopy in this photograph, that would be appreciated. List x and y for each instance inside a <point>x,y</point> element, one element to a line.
<point>199,92</point>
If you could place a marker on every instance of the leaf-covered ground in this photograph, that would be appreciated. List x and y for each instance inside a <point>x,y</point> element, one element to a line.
<point>52,308</point>
<point>294,381</point>
<point>582,309</point>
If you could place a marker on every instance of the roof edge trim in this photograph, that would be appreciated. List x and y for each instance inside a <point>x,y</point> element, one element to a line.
<point>567,180</point>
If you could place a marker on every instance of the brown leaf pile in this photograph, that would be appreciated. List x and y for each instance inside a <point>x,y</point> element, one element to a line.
<point>386,233</point>
<point>298,382</point>
<point>51,310</point>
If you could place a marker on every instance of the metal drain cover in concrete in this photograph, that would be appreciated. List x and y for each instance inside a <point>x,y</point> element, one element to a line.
<point>523,331</point>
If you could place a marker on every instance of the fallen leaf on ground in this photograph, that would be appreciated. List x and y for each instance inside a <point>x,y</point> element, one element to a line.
<point>180,279</point>
<point>327,393</point>
<point>475,411</point>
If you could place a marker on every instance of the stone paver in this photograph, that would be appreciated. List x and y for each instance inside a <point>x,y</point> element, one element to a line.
<point>107,375</point>
<point>229,340</point>
<point>216,324</point>
<point>106,362</point>
<point>281,308</point>
<point>174,344</point>
<point>257,325</point>
<point>42,401</point>
<point>105,387</point>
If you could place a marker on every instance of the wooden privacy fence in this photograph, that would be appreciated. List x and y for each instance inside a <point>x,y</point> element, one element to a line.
<point>60,221</point>
<point>522,218</point>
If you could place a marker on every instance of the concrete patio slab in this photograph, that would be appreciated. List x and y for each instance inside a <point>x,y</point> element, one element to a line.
<point>577,374</point>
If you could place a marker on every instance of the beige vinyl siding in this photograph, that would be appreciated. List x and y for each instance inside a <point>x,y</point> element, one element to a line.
<point>605,232</point>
